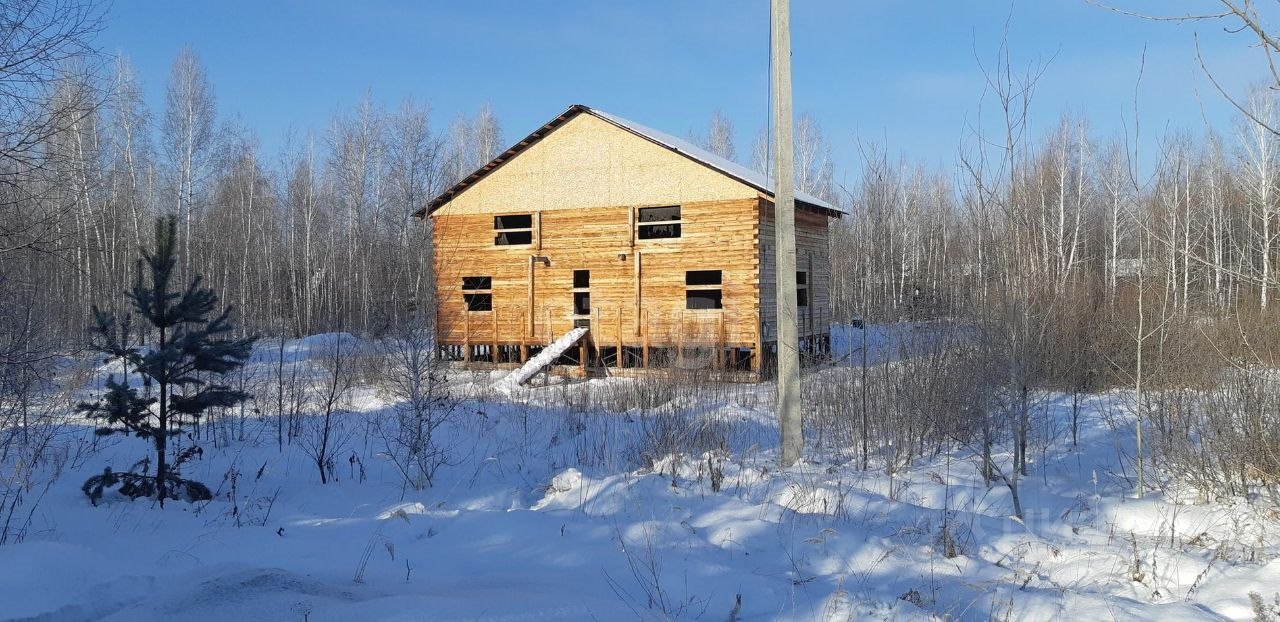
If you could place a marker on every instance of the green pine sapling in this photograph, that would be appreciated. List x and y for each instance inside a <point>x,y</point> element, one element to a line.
<point>192,350</point>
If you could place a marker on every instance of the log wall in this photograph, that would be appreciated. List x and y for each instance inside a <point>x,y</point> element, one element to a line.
<point>637,286</point>
<point>812,255</point>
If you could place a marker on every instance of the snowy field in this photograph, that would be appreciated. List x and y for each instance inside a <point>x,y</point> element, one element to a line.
<point>562,502</point>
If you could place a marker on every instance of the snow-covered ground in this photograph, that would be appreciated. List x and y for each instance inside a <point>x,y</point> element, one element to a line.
<point>561,503</point>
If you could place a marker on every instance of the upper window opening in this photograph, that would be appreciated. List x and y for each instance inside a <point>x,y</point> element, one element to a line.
<point>702,277</point>
<point>802,289</point>
<point>513,221</point>
<point>513,229</point>
<point>581,279</point>
<point>656,223</point>
<point>477,282</point>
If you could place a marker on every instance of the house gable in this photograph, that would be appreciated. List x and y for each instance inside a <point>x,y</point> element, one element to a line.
<point>588,162</point>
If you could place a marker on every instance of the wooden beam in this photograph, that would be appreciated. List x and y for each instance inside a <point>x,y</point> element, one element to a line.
<point>638,270</point>
<point>644,354</point>
<point>532,262</point>
<point>631,227</point>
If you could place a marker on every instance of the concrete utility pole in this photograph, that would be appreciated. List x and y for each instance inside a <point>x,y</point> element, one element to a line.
<point>784,220</point>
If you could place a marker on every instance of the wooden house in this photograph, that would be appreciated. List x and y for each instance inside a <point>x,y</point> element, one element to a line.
<point>663,251</point>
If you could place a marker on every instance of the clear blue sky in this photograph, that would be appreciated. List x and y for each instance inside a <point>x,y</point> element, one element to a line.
<point>900,73</point>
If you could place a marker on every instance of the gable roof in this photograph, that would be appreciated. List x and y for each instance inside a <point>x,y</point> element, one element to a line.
<point>752,178</point>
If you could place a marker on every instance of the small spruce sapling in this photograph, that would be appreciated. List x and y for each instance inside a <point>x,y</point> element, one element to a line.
<point>192,350</point>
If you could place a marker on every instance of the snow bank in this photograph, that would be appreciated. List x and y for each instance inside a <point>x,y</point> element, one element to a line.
<point>546,511</point>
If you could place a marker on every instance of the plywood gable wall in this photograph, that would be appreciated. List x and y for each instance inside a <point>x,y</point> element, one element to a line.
<point>588,162</point>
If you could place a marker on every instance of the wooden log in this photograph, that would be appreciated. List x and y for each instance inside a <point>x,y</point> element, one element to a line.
<point>532,263</point>
<point>597,328</point>
<point>644,354</point>
<point>638,270</point>
<point>537,231</point>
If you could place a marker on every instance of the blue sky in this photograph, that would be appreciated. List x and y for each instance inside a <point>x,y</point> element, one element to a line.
<point>899,73</point>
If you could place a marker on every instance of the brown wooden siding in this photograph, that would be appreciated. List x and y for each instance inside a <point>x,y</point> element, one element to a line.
<point>716,235</point>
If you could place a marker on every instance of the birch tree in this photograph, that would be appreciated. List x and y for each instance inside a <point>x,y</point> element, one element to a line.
<point>1260,147</point>
<point>188,135</point>
<point>719,137</point>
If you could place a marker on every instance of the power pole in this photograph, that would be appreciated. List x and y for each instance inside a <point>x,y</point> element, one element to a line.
<point>784,222</point>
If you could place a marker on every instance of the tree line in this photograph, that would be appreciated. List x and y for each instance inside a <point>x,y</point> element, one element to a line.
<point>1074,262</point>
<point>318,237</point>
<point>315,238</point>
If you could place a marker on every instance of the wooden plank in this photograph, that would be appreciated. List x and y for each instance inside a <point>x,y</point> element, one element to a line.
<point>466,337</point>
<point>639,269</point>
<point>644,354</point>
<point>532,267</point>
<point>537,231</point>
<point>631,227</point>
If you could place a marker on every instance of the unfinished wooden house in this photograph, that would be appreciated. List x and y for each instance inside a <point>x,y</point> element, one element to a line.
<point>597,244</point>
